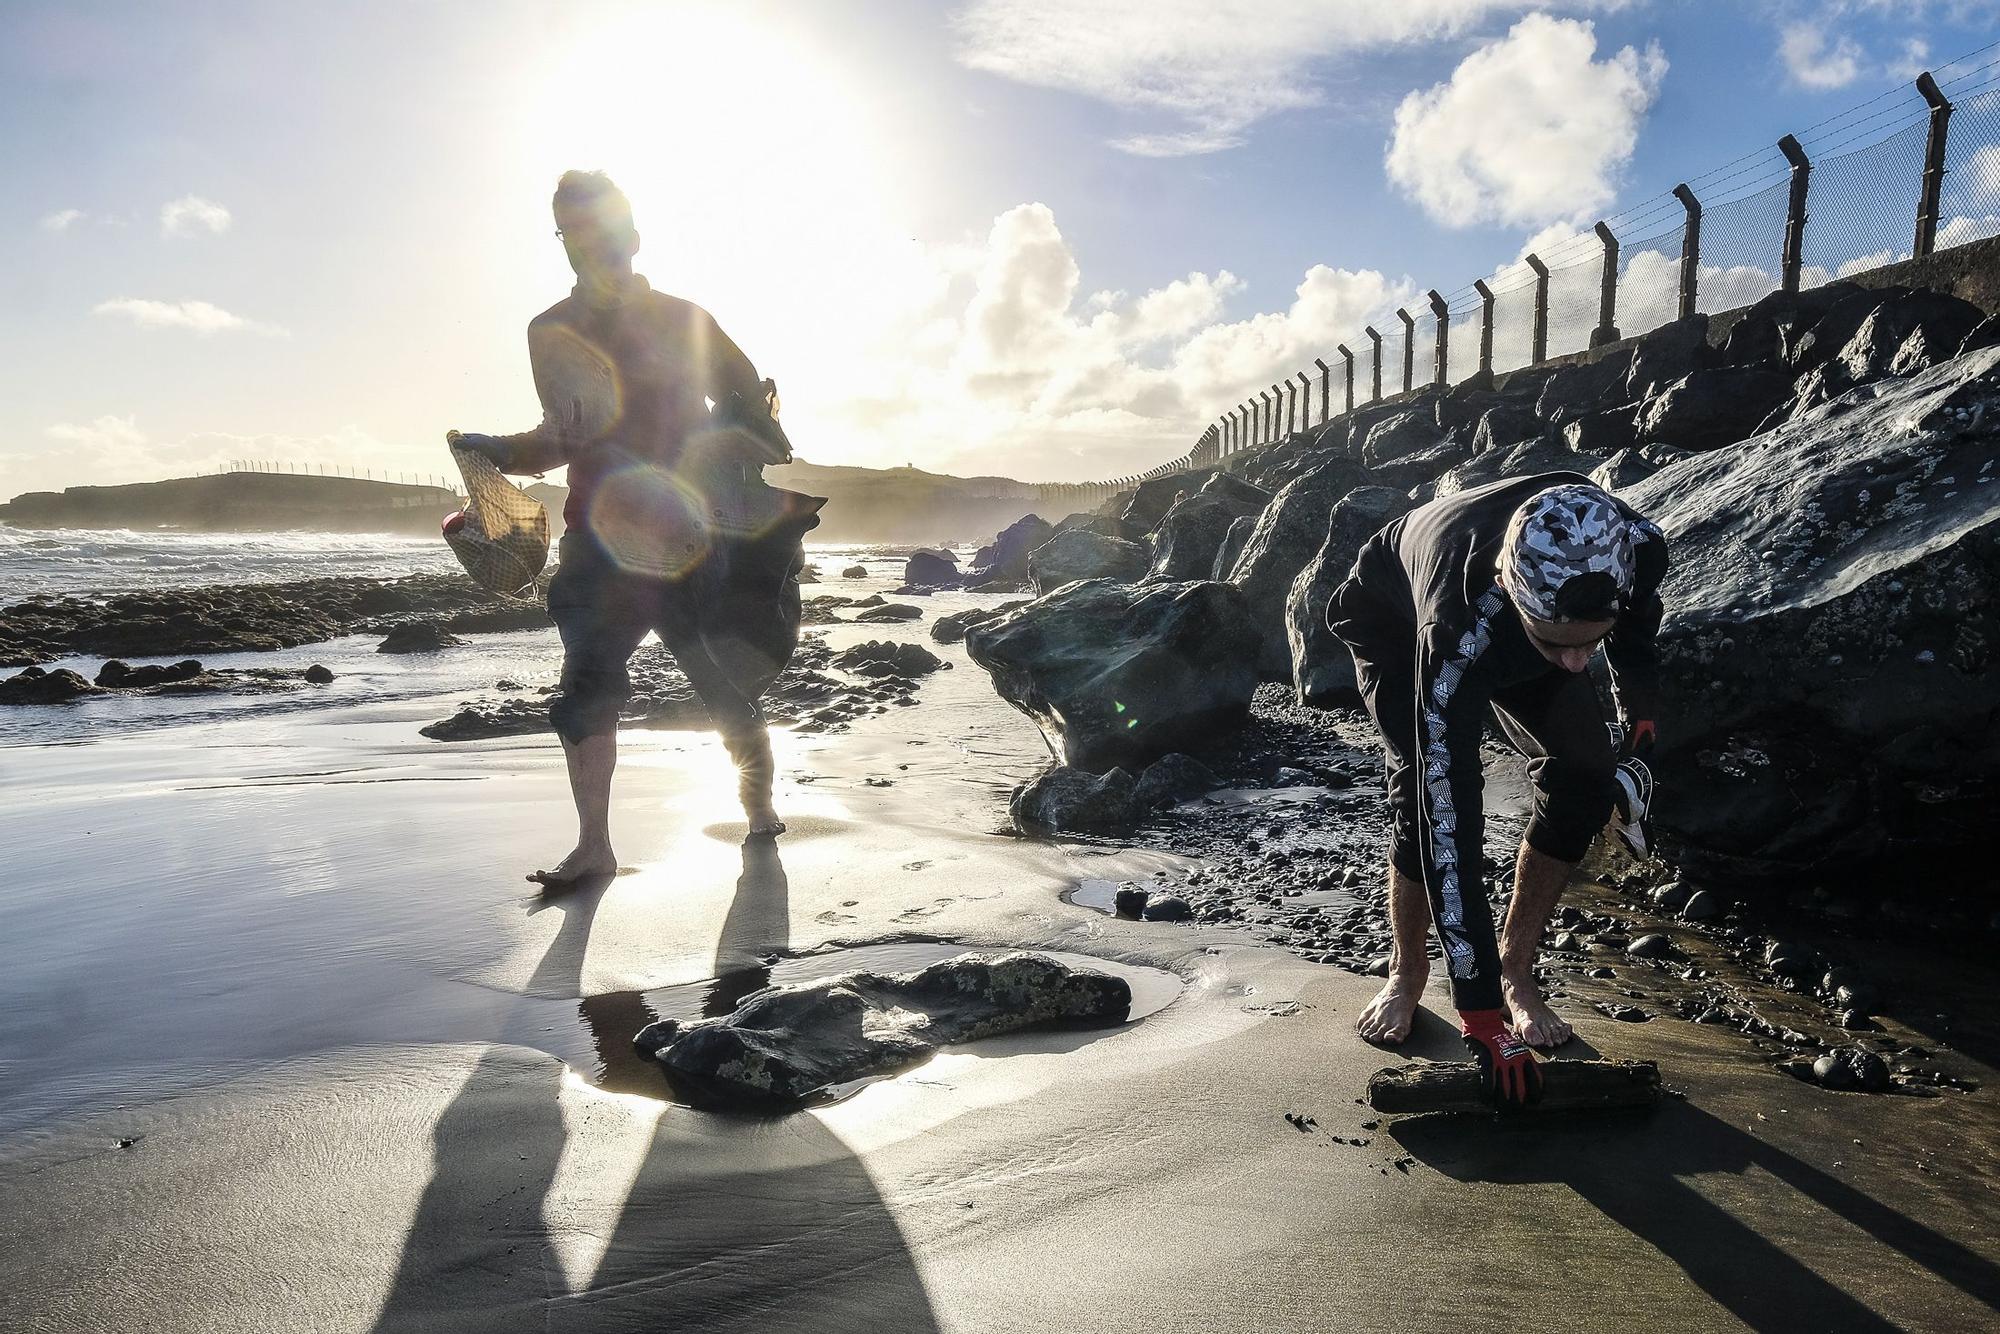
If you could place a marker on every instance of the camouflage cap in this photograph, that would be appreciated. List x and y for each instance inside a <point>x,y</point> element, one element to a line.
<point>1568,555</point>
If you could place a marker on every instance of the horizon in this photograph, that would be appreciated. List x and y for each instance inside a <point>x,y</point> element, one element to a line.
<point>1004,244</point>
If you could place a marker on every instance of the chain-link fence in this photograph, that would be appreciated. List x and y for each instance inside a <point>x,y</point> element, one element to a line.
<point>1912,171</point>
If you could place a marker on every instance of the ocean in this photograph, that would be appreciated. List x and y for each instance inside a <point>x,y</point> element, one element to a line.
<point>94,563</point>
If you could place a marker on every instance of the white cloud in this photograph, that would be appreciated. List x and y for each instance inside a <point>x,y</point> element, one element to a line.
<point>1529,129</point>
<point>1961,229</point>
<point>191,214</point>
<point>1814,61</point>
<point>107,432</point>
<point>199,317</point>
<point>61,220</point>
<point>1214,68</point>
<point>1914,60</point>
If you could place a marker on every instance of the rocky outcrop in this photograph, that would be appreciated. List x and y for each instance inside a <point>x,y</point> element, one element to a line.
<point>1233,543</point>
<point>1081,553</point>
<point>1118,674</point>
<point>931,569</point>
<point>890,611</point>
<point>950,629</point>
<point>859,572</point>
<point>1322,668</point>
<point>1709,408</point>
<point>1288,532</point>
<point>1829,649</point>
<point>418,637</point>
<point>1152,500</point>
<point>785,1045</point>
<point>32,685</point>
<point>1184,547</point>
<point>1062,800</point>
<point>1005,560</point>
<point>882,657</point>
<point>117,674</point>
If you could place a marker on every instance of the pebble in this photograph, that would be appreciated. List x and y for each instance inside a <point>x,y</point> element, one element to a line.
<point>1650,946</point>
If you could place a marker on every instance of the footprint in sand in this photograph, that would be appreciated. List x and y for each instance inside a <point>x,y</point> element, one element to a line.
<point>916,914</point>
<point>915,866</point>
<point>832,918</point>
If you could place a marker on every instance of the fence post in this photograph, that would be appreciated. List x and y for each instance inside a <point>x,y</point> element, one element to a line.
<point>1409,349</point>
<point>1264,426</point>
<point>1347,357</point>
<point>1485,328</point>
<point>1440,376</point>
<point>1795,211</point>
<point>1376,339</point>
<point>1291,397</point>
<point>1325,391</point>
<point>1690,248</point>
<point>1248,429</point>
<point>1927,205</point>
<point>1607,291</point>
<point>1277,406</point>
<point>1538,348</point>
<point>1306,398</point>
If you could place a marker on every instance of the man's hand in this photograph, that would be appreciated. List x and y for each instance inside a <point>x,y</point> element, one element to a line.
<point>491,447</point>
<point>1513,1080</point>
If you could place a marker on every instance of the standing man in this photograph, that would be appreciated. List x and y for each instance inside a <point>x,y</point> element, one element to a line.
<point>1500,596</point>
<point>670,525</point>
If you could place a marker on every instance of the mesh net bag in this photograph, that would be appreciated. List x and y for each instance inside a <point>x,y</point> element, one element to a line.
<point>501,537</point>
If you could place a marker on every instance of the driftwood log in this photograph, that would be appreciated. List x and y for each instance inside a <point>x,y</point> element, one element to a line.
<point>1424,1086</point>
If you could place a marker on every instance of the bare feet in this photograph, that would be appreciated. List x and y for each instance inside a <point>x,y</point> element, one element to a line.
<point>1534,1022</point>
<point>583,863</point>
<point>1387,1019</point>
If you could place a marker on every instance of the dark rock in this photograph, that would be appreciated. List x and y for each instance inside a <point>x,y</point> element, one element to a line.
<point>1984,334</point>
<point>1544,454</point>
<point>1118,673</point>
<point>1168,908</point>
<point>1228,486</point>
<point>1233,543</point>
<point>1082,553</point>
<point>417,637</point>
<point>1417,473</point>
<point>1852,1069</point>
<point>1505,426</point>
<point>882,657</point>
<point>932,569</point>
<point>1131,901</point>
<point>1152,500</point>
<point>1703,906</point>
<point>950,629</point>
<point>1813,569</point>
<point>1104,525</point>
<point>1877,345</point>
<point>1007,557</point>
<point>35,686</point>
<point>1322,670</point>
<point>1844,311</point>
<point>1668,353</point>
<point>319,675</point>
<point>891,611</point>
<point>859,572</point>
<point>1575,390</point>
<point>1172,779</point>
<point>1404,434</point>
<point>117,675</point>
<point>1629,467</point>
<point>1292,528</point>
<point>1650,946</point>
<point>1712,408</point>
<point>785,1044</point>
<point>1766,332</point>
<point>1063,800</point>
<point>1187,539</point>
<point>1599,435</point>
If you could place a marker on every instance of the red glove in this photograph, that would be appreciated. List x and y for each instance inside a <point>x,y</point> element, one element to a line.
<point>1639,738</point>
<point>1513,1080</point>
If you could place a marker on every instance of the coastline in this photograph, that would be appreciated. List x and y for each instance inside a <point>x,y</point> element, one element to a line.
<point>299,1050</point>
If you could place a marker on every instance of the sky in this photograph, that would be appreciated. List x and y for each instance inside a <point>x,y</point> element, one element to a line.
<point>1050,239</point>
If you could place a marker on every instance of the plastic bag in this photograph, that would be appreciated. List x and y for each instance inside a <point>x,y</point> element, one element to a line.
<point>501,537</point>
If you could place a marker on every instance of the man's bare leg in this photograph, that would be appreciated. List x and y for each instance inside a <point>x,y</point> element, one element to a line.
<point>591,763</point>
<point>1538,883</point>
<point>1388,1017</point>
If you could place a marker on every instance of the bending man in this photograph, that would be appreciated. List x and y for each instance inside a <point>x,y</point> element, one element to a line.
<point>1500,596</point>
<point>624,375</point>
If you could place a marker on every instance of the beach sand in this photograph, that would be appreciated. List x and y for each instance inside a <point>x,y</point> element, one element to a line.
<point>287,1044</point>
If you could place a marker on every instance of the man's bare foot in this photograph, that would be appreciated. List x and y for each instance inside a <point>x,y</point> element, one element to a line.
<point>1534,1022</point>
<point>584,862</point>
<point>764,822</point>
<point>1387,1019</point>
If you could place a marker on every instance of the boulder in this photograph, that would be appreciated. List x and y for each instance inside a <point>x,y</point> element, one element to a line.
<point>1150,503</point>
<point>1504,426</point>
<point>1807,342</point>
<point>33,685</point>
<point>1123,674</point>
<point>1229,486</point>
<point>1764,333</point>
<point>118,675</point>
<point>1172,779</point>
<point>891,611</point>
<point>1007,557</point>
<point>319,675</point>
<point>1104,525</point>
<point>950,629</point>
<point>932,569</point>
<point>1396,437</point>
<point>1291,528</point>
<point>1062,800</point>
<point>857,572</point>
<point>1927,323</point>
<point>1081,553</point>
<point>1828,656</point>
<point>1186,541</point>
<point>1167,908</point>
<point>1711,408</point>
<point>417,637</point>
<point>1575,390</point>
<point>1602,434</point>
<point>1544,455</point>
<point>1423,468</point>
<point>883,657</point>
<point>1628,467</point>
<point>1322,670</point>
<point>1233,543</point>
<point>1670,352</point>
<point>786,1044</point>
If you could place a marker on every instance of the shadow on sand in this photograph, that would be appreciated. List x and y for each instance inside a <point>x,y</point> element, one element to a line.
<point>726,1224</point>
<point>1640,1172</point>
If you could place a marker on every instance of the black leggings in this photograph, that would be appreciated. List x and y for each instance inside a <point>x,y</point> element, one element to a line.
<point>1554,719</point>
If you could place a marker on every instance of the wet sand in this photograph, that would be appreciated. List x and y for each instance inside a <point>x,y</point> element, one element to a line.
<point>287,1044</point>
